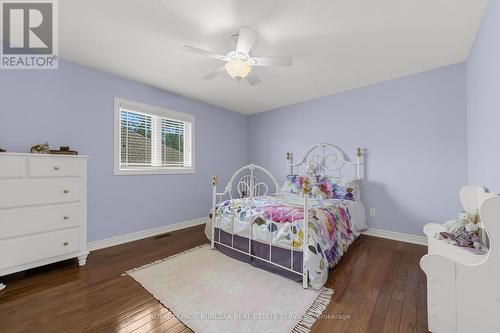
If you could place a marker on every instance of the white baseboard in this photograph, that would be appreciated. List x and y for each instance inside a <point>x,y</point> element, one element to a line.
<point>413,239</point>
<point>117,240</point>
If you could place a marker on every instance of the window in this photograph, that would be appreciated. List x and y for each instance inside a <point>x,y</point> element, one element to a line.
<point>151,140</point>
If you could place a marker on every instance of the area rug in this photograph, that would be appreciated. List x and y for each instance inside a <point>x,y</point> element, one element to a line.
<point>211,292</point>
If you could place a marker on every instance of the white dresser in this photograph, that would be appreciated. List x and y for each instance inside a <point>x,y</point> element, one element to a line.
<point>43,210</point>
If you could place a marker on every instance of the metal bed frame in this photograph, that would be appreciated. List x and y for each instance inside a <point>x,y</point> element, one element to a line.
<point>320,159</point>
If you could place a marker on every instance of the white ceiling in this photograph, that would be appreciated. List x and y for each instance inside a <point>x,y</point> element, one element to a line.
<point>337,44</point>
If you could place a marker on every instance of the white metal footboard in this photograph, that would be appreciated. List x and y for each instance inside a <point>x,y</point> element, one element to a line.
<point>253,188</point>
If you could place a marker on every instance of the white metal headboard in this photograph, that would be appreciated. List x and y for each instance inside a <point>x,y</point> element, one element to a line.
<point>324,158</point>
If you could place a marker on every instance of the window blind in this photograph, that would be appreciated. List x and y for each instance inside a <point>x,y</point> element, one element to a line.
<point>135,134</point>
<point>149,140</point>
<point>172,135</point>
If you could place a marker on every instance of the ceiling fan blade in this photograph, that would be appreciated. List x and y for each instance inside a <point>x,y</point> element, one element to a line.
<point>253,79</point>
<point>202,52</point>
<point>272,61</point>
<point>215,73</point>
<point>246,39</point>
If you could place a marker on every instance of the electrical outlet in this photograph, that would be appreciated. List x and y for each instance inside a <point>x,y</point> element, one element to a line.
<point>373,212</point>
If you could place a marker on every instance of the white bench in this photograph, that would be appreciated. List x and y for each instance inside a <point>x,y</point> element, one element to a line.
<point>463,288</point>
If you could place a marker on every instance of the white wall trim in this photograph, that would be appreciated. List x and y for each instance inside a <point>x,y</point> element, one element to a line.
<point>407,238</point>
<point>117,240</point>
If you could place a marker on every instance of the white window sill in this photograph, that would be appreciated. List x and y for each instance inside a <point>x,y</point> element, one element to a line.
<point>153,171</point>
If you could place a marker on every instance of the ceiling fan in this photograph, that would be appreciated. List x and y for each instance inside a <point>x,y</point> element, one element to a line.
<point>239,61</point>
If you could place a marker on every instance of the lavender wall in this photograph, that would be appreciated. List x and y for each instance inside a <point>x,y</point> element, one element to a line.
<point>412,129</point>
<point>483,112</point>
<point>74,106</point>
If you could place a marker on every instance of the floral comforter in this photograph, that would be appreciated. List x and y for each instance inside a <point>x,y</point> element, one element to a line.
<point>329,234</point>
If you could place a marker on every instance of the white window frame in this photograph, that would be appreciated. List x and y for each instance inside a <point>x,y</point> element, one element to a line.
<point>155,111</point>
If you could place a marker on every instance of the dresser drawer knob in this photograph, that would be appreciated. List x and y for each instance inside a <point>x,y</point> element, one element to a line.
<point>66,191</point>
<point>66,217</point>
<point>56,168</point>
<point>66,243</point>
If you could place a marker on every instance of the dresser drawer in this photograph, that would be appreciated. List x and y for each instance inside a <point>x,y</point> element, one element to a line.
<point>31,220</point>
<point>28,192</point>
<point>54,167</point>
<point>24,250</point>
<point>12,167</point>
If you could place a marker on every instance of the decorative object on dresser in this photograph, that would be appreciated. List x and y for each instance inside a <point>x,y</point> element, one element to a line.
<point>64,150</point>
<point>43,210</point>
<point>463,294</point>
<point>40,149</point>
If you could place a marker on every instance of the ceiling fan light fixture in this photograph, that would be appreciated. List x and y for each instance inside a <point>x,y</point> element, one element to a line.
<point>237,69</point>
<point>240,60</point>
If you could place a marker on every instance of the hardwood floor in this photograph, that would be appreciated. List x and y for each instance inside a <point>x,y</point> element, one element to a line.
<point>379,287</point>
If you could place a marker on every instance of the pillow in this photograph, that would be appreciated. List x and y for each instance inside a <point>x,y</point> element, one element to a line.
<point>321,187</point>
<point>293,184</point>
<point>325,187</point>
<point>345,188</point>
